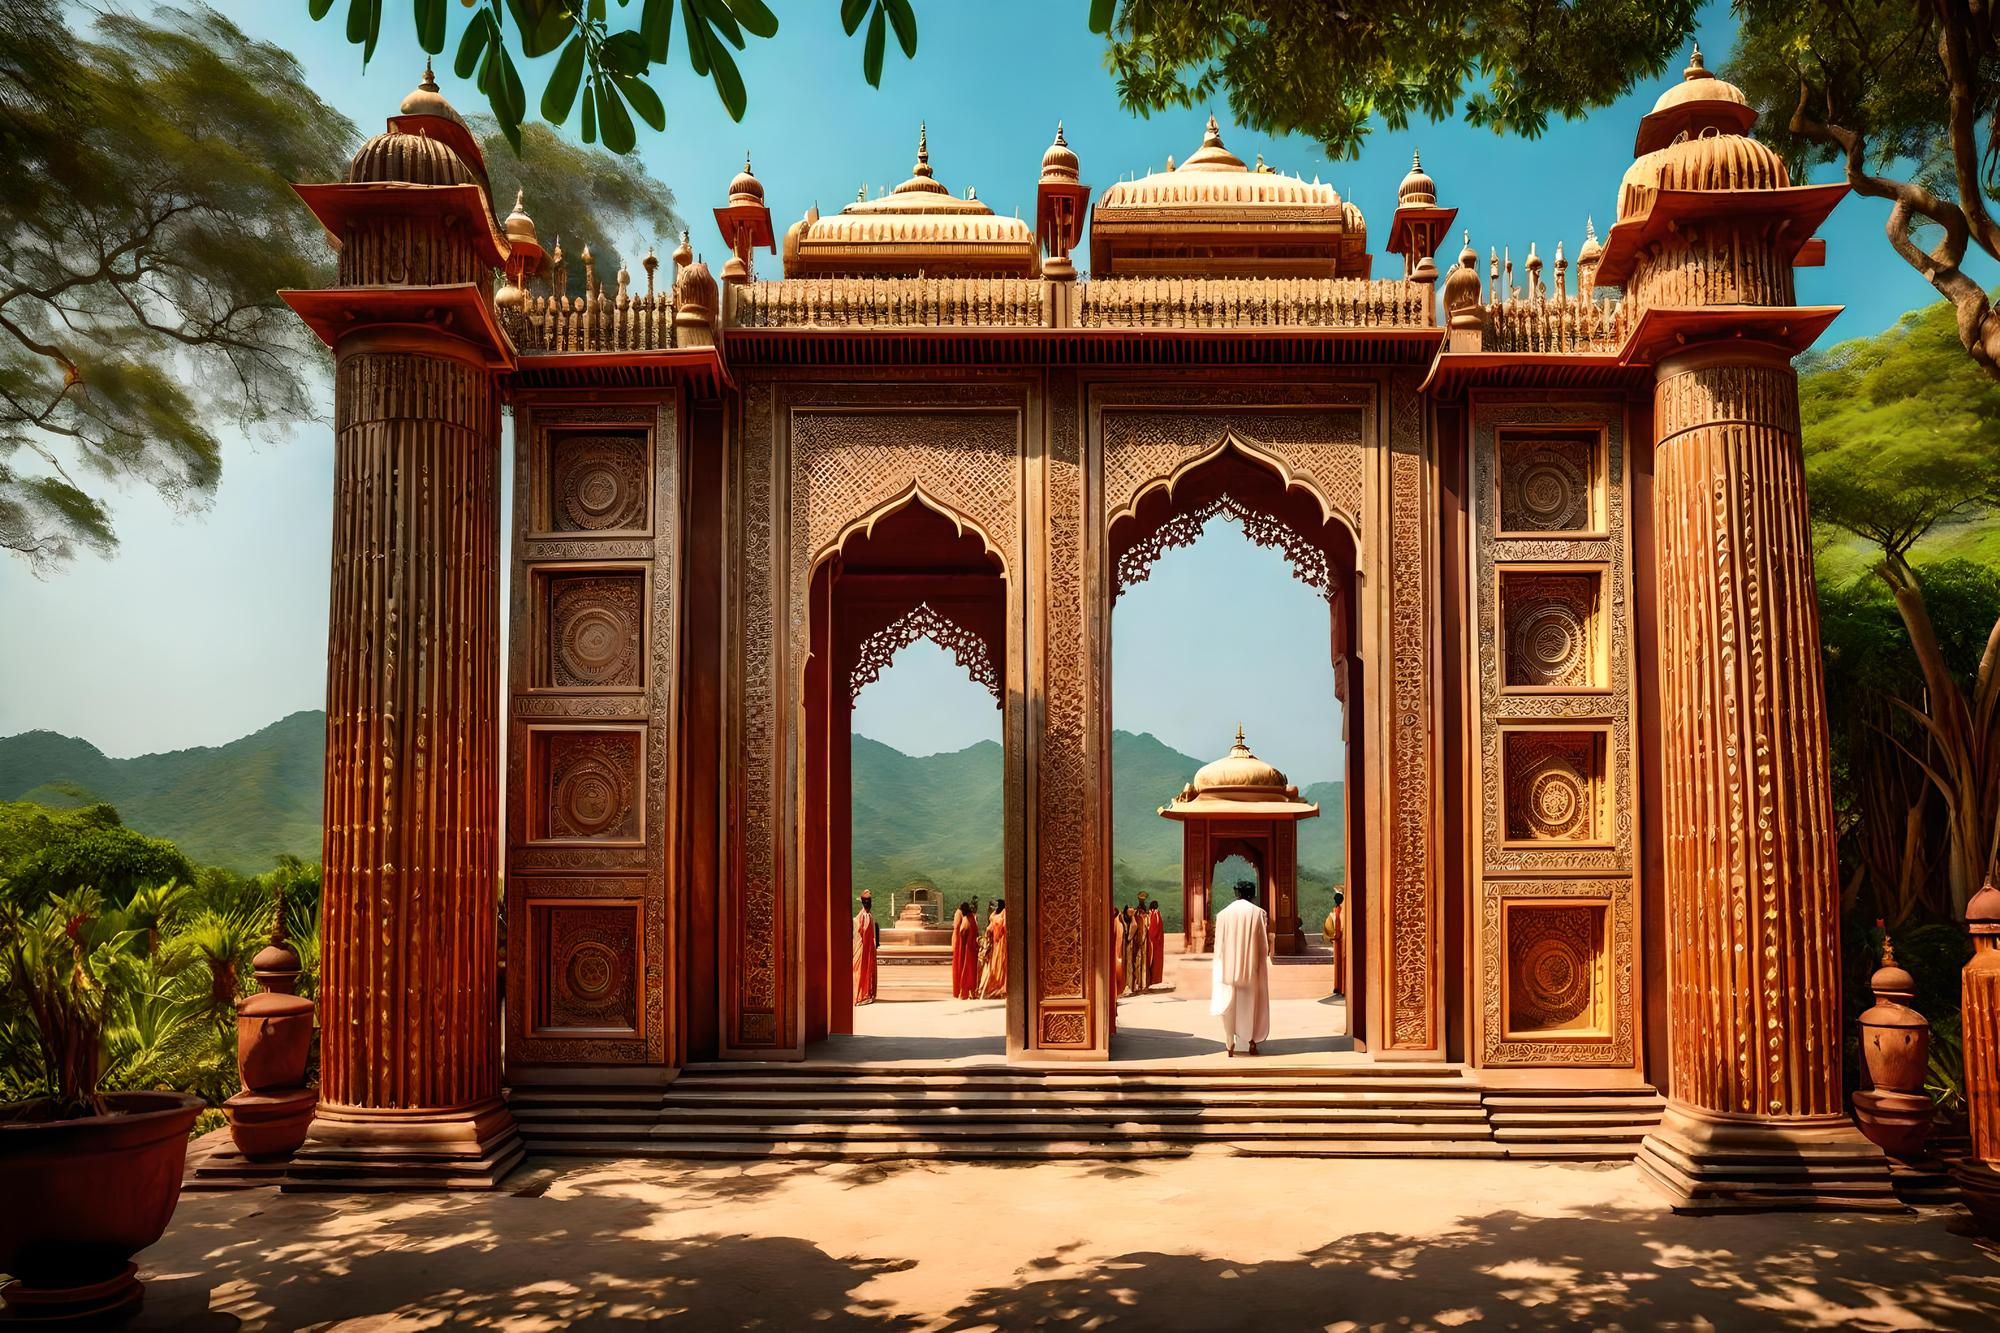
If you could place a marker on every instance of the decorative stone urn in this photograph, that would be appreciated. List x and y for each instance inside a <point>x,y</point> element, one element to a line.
<point>269,1119</point>
<point>1895,1111</point>
<point>1978,1175</point>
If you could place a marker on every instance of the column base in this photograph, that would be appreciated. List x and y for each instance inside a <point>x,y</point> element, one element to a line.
<point>355,1148</point>
<point>1979,1186</point>
<point>1709,1163</point>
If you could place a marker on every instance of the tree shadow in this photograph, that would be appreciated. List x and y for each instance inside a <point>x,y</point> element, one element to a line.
<point>1611,1269</point>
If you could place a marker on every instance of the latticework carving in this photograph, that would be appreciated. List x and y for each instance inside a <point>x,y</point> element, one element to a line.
<point>597,482</point>
<point>1547,484</point>
<point>592,784</point>
<point>1572,324</point>
<point>1256,303</point>
<point>808,303</point>
<point>1551,627</point>
<point>595,627</point>
<point>1147,446</point>
<point>1554,786</point>
<point>1065,827</point>
<point>924,621</point>
<point>1414,989</point>
<point>1554,966</point>
<point>1308,559</point>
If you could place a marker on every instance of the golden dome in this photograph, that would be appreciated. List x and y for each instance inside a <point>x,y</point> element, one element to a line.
<point>1699,85</point>
<point>1240,775</point>
<point>1059,163</point>
<point>1700,103</point>
<point>1712,161</point>
<point>1461,284</point>
<point>1418,190</point>
<point>746,188</point>
<point>426,100</point>
<point>1591,248</point>
<point>519,226</point>
<point>409,159</point>
<point>919,227</point>
<point>1215,179</point>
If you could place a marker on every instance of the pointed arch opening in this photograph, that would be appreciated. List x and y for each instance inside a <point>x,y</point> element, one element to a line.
<point>1209,630</point>
<point>910,573</point>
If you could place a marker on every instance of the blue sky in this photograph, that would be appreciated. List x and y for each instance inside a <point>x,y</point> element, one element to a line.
<point>202,629</point>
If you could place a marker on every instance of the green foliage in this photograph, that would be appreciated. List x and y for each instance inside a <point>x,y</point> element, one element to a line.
<point>605,73</point>
<point>1328,70</point>
<point>113,860</point>
<point>146,228</point>
<point>98,997</point>
<point>1902,432</point>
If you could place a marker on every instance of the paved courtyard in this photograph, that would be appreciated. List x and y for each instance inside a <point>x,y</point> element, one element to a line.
<point>1197,1243</point>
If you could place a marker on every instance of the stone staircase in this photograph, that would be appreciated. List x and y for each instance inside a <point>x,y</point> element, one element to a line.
<point>818,1112</point>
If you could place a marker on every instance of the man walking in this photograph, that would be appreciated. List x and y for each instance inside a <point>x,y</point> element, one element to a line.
<point>1241,997</point>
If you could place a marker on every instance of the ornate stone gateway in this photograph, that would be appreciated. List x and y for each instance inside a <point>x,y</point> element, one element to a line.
<point>1559,525</point>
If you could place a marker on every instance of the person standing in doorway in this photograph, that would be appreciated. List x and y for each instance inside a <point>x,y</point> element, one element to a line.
<point>1241,997</point>
<point>1138,955</point>
<point>864,950</point>
<point>1156,941</point>
<point>1117,951</point>
<point>1336,939</point>
<point>965,952</point>
<point>994,983</point>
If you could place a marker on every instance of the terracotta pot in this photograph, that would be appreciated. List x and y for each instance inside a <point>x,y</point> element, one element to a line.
<point>1895,1045</point>
<point>1896,1122</point>
<point>273,1041</point>
<point>270,1126</point>
<point>84,1196</point>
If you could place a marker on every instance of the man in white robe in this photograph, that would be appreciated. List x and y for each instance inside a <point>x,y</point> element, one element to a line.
<point>1241,996</point>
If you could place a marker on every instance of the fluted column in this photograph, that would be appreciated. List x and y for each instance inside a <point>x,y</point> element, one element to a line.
<point>410,1051</point>
<point>1751,885</point>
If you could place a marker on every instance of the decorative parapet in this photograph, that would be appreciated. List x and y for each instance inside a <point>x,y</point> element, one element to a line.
<point>835,303</point>
<point>1253,303</point>
<point>1555,324</point>
<point>599,322</point>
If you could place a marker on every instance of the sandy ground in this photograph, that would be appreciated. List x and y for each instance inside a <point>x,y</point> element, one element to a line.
<point>1198,1243</point>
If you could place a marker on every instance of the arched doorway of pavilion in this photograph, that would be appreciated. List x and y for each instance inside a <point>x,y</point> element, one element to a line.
<point>931,831</point>
<point>1258,620</point>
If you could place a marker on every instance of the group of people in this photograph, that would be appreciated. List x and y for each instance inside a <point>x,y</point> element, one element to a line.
<point>979,958</point>
<point>1138,947</point>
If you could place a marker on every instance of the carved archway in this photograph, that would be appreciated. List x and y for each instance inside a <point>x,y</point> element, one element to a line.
<point>968,647</point>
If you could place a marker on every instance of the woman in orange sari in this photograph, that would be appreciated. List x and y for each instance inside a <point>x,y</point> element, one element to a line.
<point>1117,952</point>
<point>965,953</point>
<point>994,983</point>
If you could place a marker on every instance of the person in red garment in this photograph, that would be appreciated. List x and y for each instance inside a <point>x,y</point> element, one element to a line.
<point>994,983</point>
<point>864,951</point>
<point>965,952</point>
<point>1156,931</point>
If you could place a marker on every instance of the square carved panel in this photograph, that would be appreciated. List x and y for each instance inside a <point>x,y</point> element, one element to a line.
<point>597,481</point>
<point>588,784</point>
<point>1552,629</point>
<point>592,629</point>
<point>588,965</point>
<point>1550,482</point>
<point>1555,786</point>
<point>1556,970</point>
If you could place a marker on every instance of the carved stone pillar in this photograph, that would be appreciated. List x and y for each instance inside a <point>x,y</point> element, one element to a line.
<point>409,997</point>
<point>1755,1115</point>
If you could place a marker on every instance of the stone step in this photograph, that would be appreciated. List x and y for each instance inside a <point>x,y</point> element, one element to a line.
<point>1023,1131</point>
<point>1242,1069</point>
<point>1048,1150</point>
<point>1568,1133</point>
<point>1038,1097</point>
<point>1634,1122</point>
<point>951,1116</point>
<point>1608,1100</point>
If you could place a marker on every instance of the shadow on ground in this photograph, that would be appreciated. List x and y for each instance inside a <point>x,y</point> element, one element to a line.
<point>592,1245</point>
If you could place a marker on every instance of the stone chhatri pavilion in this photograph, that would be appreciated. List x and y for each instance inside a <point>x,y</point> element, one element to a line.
<point>1556,511</point>
<point>1241,806</point>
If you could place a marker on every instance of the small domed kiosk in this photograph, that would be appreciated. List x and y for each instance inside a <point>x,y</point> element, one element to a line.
<point>1240,806</point>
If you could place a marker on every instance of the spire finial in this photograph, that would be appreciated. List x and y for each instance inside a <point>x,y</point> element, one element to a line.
<point>1059,135</point>
<point>1416,160</point>
<point>1239,737</point>
<point>430,83</point>
<point>1212,136</point>
<point>1695,68</point>
<point>1589,227</point>
<point>746,160</point>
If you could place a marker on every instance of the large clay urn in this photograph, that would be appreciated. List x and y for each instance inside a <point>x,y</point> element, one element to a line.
<point>1895,1111</point>
<point>273,1040</point>
<point>79,1198</point>
<point>1978,1175</point>
<point>271,1117</point>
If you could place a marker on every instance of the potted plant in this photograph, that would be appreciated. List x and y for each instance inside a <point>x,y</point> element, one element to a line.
<point>90,1177</point>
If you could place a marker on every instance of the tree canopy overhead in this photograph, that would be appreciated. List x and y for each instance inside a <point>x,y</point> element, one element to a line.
<point>1903,96</point>
<point>1329,68</point>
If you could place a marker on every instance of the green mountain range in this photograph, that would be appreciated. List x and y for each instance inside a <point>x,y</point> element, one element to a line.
<point>237,805</point>
<point>932,817</point>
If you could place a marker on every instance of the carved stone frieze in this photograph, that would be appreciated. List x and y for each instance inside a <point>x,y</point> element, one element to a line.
<point>1548,483</point>
<point>968,648</point>
<point>594,630</point>
<point>1554,784</point>
<point>597,482</point>
<point>1066,829</point>
<point>1551,623</point>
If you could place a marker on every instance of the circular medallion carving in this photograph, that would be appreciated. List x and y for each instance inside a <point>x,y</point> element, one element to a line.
<point>1555,980</point>
<point>592,795</point>
<point>599,484</point>
<point>593,973</point>
<point>1548,644</point>
<point>1550,493</point>
<point>1557,805</point>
